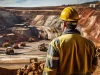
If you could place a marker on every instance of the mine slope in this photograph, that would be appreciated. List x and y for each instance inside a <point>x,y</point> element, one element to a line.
<point>47,18</point>
<point>89,23</point>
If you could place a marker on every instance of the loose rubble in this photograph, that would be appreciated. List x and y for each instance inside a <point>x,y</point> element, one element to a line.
<point>35,68</point>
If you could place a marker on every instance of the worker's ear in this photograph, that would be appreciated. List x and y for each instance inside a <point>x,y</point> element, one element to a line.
<point>63,25</point>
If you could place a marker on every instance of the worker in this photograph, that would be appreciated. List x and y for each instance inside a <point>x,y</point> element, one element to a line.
<point>70,53</point>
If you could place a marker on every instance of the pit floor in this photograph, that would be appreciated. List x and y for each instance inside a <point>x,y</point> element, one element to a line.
<point>23,55</point>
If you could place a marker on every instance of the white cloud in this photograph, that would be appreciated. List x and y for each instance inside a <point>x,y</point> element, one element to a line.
<point>7,1</point>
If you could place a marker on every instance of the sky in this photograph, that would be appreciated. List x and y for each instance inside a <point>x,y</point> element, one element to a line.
<point>38,3</point>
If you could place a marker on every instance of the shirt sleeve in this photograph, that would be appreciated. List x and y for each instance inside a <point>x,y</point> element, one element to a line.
<point>52,59</point>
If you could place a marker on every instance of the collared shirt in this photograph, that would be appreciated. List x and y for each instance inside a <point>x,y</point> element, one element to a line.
<point>70,54</point>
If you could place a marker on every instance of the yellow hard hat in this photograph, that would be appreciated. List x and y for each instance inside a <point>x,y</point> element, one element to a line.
<point>69,14</point>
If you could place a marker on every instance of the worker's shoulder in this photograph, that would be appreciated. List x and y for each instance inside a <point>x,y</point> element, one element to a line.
<point>68,36</point>
<point>89,41</point>
<point>86,39</point>
<point>56,40</point>
<point>75,37</point>
<point>62,38</point>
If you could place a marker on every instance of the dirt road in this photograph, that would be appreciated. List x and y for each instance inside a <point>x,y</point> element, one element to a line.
<point>22,56</point>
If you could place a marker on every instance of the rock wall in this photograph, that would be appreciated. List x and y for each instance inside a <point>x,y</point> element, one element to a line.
<point>89,23</point>
<point>7,19</point>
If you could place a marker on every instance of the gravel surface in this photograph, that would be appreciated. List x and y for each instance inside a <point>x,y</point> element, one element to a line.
<point>22,56</point>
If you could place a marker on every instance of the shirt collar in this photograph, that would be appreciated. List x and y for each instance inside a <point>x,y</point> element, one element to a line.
<point>71,31</point>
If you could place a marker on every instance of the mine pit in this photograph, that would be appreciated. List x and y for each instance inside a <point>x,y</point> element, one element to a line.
<point>25,34</point>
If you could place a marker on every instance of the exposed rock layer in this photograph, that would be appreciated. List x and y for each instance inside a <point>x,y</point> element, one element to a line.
<point>89,23</point>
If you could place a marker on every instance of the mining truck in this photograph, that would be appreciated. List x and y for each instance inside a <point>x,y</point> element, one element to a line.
<point>9,50</point>
<point>42,47</point>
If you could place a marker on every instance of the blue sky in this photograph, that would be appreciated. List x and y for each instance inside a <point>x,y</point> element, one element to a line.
<point>37,3</point>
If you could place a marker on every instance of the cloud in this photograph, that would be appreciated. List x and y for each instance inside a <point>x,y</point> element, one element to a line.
<point>31,3</point>
<point>20,1</point>
<point>7,2</point>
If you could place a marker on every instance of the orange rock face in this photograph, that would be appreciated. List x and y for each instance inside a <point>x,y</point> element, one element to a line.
<point>90,24</point>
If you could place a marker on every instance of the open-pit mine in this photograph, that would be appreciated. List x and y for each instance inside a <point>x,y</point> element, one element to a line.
<point>25,34</point>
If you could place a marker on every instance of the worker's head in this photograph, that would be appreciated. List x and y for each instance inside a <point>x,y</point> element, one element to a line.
<point>70,17</point>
